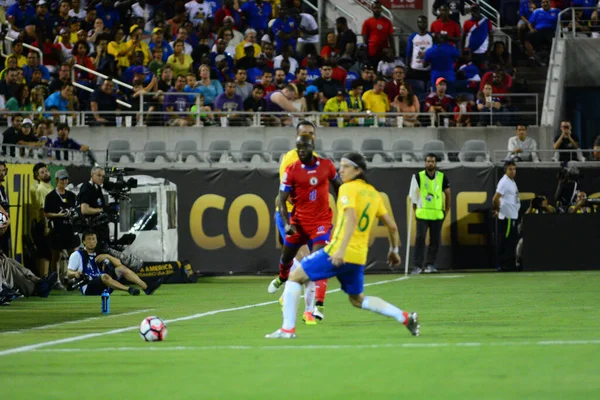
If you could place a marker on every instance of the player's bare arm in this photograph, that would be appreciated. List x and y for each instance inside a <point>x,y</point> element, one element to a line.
<point>282,199</point>
<point>448,194</point>
<point>336,182</point>
<point>394,258</point>
<point>337,258</point>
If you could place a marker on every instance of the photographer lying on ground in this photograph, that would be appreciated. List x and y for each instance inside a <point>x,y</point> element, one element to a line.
<point>94,273</point>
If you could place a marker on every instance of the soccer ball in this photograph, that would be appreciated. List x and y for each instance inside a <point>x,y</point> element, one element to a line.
<point>153,329</point>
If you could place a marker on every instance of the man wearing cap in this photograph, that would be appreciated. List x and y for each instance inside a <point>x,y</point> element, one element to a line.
<point>137,68</point>
<point>58,205</point>
<point>257,14</point>
<point>39,22</point>
<point>182,34</point>
<point>135,42</point>
<point>367,77</point>
<point>336,104</point>
<point>249,39</point>
<point>158,40</point>
<point>439,101</point>
<point>442,57</point>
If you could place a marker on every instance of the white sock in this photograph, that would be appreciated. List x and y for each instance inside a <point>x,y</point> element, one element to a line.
<point>309,296</point>
<point>291,297</point>
<point>295,265</point>
<point>382,307</point>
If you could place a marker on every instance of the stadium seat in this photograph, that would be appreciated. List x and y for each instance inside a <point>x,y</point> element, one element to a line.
<point>404,150</point>
<point>251,148</point>
<point>278,146</point>
<point>340,147</point>
<point>118,148</point>
<point>436,147</point>
<point>370,147</point>
<point>185,149</point>
<point>319,145</point>
<point>216,149</point>
<point>153,149</point>
<point>474,151</point>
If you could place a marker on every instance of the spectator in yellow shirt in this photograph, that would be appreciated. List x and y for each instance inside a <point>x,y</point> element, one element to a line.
<point>135,33</point>
<point>375,100</point>
<point>17,52</point>
<point>336,104</point>
<point>249,37</point>
<point>120,50</point>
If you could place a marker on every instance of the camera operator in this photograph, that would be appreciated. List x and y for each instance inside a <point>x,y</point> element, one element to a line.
<point>92,203</point>
<point>539,205</point>
<point>39,230</point>
<point>96,272</point>
<point>582,206</point>
<point>58,207</point>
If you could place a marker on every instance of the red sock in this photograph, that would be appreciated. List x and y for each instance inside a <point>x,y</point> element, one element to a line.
<point>405,318</point>
<point>320,290</point>
<point>284,270</point>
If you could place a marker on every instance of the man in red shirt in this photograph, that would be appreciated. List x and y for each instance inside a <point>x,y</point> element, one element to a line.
<point>439,101</point>
<point>377,32</point>
<point>306,184</point>
<point>445,25</point>
<point>392,88</point>
<point>501,81</point>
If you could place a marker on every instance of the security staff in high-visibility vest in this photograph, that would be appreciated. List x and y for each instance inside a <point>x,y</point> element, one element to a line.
<point>434,189</point>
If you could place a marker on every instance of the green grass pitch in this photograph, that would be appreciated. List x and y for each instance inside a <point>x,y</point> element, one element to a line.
<point>484,336</point>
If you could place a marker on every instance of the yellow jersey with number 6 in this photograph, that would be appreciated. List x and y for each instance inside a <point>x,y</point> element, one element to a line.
<point>368,205</point>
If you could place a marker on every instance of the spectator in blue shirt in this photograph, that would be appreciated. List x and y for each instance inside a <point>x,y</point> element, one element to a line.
<point>59,101</point>
<point>33,63</point>
<point>63,141</point>
<point>285,29</point>
<point>587,14</point>
<point>158,40</point>
<point>18,14</point>
<point>441,57</point>
<point>526,8</point>
<point>542,26</point>
<point>257,14</point>
<point>107,12</point>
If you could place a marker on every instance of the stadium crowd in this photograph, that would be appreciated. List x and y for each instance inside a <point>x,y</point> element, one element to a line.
<point>252,56</point>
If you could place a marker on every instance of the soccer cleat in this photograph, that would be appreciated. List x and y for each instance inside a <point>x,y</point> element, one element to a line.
<point>308,318</point>
<point>274,285</point>
<point>134,291</point>
<point>412,324</point>
<point>319,313</point>
<point>430,269</point>
<point>152,286</point>
<point>416,271</point>
<point>280,334</point>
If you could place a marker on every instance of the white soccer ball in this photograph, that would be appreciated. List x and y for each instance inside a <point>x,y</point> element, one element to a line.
<point>153,329</point>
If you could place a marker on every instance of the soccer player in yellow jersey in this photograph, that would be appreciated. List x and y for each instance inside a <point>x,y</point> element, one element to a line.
<point>358,205</point>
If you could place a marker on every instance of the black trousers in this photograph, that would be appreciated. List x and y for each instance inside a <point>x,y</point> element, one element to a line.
<point>435,230</point>
<point>508,236</point>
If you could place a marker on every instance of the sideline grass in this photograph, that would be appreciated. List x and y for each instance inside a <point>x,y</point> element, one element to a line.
<point>505,314</point>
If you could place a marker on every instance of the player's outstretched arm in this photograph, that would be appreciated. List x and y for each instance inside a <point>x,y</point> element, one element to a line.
<point>394,258</point>
<point>337,258</point>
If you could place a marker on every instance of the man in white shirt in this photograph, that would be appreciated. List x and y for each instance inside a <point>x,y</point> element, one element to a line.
<point>309,31</point>
<point>506,204</point>
<point>521,147</point>
<point>198,11</point>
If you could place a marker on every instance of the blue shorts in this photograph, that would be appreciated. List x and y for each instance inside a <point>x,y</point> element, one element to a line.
<point>318,266</point>
<point>280,226</point>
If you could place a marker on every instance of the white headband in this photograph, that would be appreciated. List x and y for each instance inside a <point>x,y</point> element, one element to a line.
<point>355,165</point>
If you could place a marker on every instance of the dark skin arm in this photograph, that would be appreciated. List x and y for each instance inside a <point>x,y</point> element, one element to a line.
<point>337,182</point>
<point>282,199</point>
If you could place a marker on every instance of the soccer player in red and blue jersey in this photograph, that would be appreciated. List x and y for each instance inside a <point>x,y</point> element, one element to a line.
<point>306,184</point>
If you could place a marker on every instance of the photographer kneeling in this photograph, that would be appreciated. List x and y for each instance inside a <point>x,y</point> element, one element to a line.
<point>95,273</point>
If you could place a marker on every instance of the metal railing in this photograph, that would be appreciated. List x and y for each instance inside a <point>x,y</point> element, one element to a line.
<point>98,74</point>
<point>546,155</point>
<point>487,11</point>
<point>27,46</point>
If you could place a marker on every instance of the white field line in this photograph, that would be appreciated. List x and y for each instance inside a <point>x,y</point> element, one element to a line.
<point>330,347</point>
<point>42,327</point>
<point>31,347</point>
